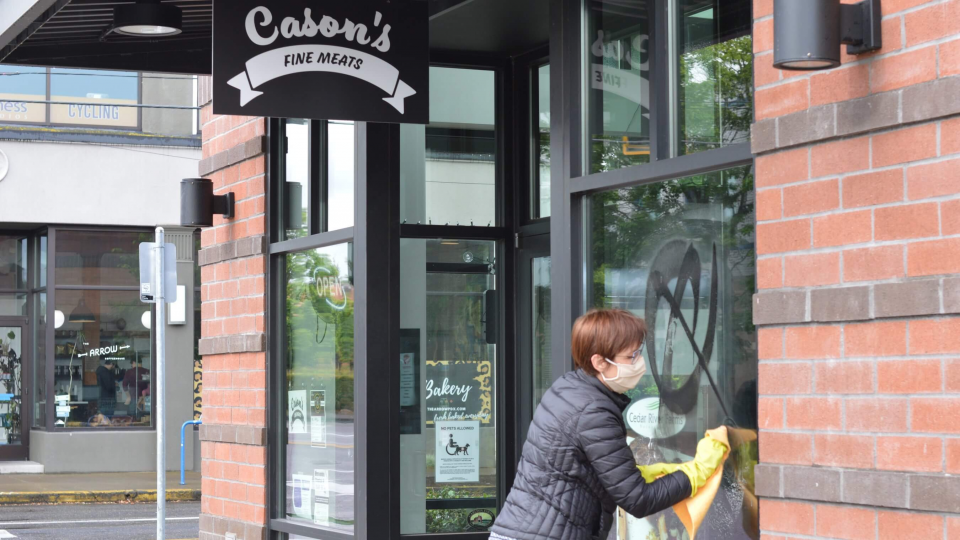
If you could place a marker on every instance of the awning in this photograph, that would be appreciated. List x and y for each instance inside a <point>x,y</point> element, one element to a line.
<point>76,33</point>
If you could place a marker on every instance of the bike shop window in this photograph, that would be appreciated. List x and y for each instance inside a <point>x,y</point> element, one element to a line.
<point>649,98</point>
<point>20,87</point>
<point>93,98</point>
<point>102,337</point>
<point>681,255</point>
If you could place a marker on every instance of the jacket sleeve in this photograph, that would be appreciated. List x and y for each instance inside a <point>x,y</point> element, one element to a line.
<point>603,441</point>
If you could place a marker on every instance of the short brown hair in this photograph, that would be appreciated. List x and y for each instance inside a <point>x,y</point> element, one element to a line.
<point>606,332</point>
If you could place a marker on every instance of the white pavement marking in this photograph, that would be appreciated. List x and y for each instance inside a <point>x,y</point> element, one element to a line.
<point>131,520</point>
<point>5,534</point>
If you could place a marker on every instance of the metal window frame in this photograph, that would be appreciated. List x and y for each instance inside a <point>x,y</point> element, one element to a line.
<point>376,229</point>
<point>508,180</point>
<point>571,185</point>
<point>376,239</point>
<point>377,232</point>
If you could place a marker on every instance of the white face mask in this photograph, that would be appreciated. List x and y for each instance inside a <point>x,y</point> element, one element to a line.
<point>628,376</point>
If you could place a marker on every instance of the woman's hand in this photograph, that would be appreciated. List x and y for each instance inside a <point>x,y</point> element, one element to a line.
<point>710,454</point>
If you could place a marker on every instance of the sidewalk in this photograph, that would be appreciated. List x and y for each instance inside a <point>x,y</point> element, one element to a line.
<point>94,488</point>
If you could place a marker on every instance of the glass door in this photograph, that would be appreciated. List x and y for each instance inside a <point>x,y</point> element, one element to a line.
<point>449,337</point>
<point>14,405</point>
<point>533,339</point>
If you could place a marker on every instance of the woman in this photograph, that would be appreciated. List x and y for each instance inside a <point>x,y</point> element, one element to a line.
<point>576,467</point>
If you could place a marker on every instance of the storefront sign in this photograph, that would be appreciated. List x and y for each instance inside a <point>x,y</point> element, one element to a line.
<point>459,390</point>
<point>335,290</point>
<point>15,110</point>
<point>648,419</point>
<point>360,60</point>
<point>93,112</point>
<point>458,452</point>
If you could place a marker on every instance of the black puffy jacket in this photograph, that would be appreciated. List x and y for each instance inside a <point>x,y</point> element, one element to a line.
<point>576,468</point>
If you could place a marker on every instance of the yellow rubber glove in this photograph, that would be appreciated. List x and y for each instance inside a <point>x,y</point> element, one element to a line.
<point>652,472</point>
<point>709,456</point>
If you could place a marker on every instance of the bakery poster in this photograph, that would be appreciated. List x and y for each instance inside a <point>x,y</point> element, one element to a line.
<point>458,452</point>
<point>459,390</point>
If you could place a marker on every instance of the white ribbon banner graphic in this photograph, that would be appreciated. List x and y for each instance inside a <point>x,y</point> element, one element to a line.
<point>321,58</point>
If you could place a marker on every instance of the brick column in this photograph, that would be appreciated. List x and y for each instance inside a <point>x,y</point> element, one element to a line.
<point>858,241</point>
<point>232,263</point>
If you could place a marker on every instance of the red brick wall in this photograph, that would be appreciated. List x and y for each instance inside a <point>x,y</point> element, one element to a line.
<point>233,263</point>
<point>858,313</point>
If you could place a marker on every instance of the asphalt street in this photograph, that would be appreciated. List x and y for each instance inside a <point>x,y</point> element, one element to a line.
<point>98,521</point>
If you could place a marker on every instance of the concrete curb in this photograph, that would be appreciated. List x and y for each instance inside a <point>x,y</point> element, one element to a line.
<point>68,497</point>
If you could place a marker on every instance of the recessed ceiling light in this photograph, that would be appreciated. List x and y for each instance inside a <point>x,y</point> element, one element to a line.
<point>147,18</point>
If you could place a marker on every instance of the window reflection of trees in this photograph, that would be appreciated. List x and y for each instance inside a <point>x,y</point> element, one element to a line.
<point>628,228</point>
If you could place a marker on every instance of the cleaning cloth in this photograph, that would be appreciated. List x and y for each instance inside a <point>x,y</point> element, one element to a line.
<point>693,510</point>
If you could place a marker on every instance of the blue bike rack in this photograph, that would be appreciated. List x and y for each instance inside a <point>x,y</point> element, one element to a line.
<point>183,428</point>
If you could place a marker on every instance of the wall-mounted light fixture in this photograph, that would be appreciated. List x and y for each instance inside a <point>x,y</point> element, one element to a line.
<point>807,33</point>
<point>147,18</point>
<point>198,204</point>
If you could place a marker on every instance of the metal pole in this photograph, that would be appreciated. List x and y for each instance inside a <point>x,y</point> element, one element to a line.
<point>159,401</point>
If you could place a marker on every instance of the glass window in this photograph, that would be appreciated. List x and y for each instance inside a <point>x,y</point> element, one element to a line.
<point>541,164</point>
<point>41,266</point>
<point>40,360</point>
<point>340,174</point>
<point>102,359</point>
<point>618,91</point>
<point>296,173</point>
<point>715,90</point>
<point>448,168</point>
<point>448,441</point>
<point>319,449</point>
<point>94,97</point>
<point>542,369</point>
<point>18,85</point>
<point>13,263</point>
<point>99,257</point>
<point>680,254</point>
<point>13,304</point>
